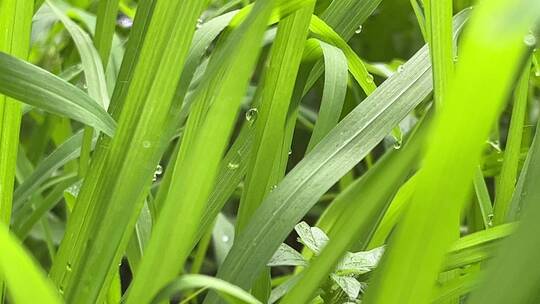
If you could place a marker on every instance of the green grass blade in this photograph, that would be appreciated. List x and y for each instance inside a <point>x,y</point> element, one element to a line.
<point>491,36</point>
<point>476,247</point>
<point>512,151</point>
<point>90,59</point>
<point>114,190</point>
<point>15,22</point>
<point>335,88</point>
<point>368,199</point>
<point>393,214</point>
<point>66,152</point>
<point>19,271</point>
<point>270,109</point>
<point>439,30</point>
<point>226,79</point>
<point>39,88</point>
<point>482,196</point>
<point>192,281</point>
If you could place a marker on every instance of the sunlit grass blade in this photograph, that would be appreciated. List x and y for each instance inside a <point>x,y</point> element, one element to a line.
<point>440,178</point>
<point>19,271</point>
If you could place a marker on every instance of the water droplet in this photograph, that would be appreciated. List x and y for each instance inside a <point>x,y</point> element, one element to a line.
<point>124,21</point>
<point>359,30</point>
<point>85,86</point>
<point>400,68</point>
<point>158,172</point>
<point>225,238</point>
<point>273,188</point>
<point>455,58</point>
<point>233,166</point>
<point>490,220</point>
<point>530,40</point>
<point>397,144</point>
<point>146,144</point>
<point>199,23</point>
<point>61,290</point>
<point>290,152</point>
<point>369,78</point>
<point>251,114</point>
<point>68,267</point>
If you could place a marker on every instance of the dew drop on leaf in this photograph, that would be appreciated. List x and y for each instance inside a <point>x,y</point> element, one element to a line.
<point>251,115</point>
<point>359,30</point>
<point>530,40</point>
<point>233,166</point>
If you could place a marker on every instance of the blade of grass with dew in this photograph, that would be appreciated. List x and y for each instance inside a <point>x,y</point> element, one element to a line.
<point>368,199</point>
<point>230,292</point>
<point>270,109</point>
<point>442,185</point>
<point>201,41</point>
<point>114,190</point>
<point>269,114</point>
<point>19,271</point>
<point>226,79</point>
<point>334,90</point>
<point>228,179</point>
<point>134,47</point>
<point>510,166</point>
<point>334,156</point>
<point>39,88</point>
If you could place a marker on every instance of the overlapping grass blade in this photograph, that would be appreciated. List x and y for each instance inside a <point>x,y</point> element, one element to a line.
<point>208,129</point>
<point>491,36</point>
<point>270,108</point>
<point>336,154</point>
<point>368,199</point>
<point>90,59</point>
<point>335,87</point>
<point>114,189</point>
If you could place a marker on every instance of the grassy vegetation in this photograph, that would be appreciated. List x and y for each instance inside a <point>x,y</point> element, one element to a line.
<point>291,151</point>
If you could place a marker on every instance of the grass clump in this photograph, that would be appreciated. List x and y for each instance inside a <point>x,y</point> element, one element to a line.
<point>291,151</point>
